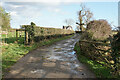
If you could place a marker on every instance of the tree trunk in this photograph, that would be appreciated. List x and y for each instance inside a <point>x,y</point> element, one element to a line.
<point>81,24</point>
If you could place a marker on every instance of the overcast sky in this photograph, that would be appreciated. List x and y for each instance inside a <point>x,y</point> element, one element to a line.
<point>54,13</point>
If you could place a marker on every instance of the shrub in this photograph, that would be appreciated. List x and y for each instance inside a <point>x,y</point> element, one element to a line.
<point>86,36</point>
<point>100,29</point>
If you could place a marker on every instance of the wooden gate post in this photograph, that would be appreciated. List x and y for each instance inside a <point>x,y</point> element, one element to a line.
<point>16,35</point>
<point>26,37</point>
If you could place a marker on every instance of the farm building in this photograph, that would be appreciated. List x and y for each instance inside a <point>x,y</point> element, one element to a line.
<point>67,27</point>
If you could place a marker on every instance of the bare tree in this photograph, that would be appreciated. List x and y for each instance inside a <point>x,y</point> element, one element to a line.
<point>69,22</point>
<point>78,28</point>
<point>85,16</point>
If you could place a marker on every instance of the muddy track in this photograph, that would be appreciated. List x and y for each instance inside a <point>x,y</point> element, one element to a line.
<point>54,61</point>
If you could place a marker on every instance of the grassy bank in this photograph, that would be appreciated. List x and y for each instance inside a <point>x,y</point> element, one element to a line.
<point>99,70</point>
<point>12,52</point>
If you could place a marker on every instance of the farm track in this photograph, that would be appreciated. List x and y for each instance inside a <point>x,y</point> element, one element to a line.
<point>55,61</point>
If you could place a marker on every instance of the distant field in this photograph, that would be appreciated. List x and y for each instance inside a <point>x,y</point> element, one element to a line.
<point>10,37</point>
<point>11,34</point>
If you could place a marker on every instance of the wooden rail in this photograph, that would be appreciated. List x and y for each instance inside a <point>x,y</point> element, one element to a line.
<point>100,51</point>
<point>101,43</point>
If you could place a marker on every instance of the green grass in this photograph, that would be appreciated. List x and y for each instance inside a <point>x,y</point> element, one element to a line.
<point>99,70</point>
<point>11,37</point>
<point>12,34</point>
<point>12,52</point>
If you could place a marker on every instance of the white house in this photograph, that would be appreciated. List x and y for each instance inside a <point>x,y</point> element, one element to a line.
<point>67,27</point>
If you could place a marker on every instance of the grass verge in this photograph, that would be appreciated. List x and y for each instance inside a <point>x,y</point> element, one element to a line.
<point>99,70</point>
<point>12,52</point>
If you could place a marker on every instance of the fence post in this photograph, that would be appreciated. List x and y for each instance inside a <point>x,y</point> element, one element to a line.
<point>26,37</point>
<point>16,35</point>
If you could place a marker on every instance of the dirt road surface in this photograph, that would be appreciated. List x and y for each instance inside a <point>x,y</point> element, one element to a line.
<point>55,61</point>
